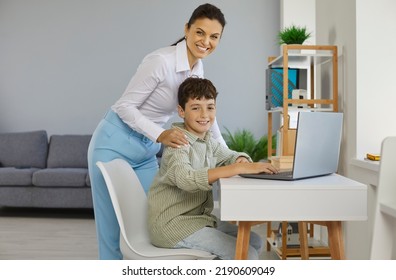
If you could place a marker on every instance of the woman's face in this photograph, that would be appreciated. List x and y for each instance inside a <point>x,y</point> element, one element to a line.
<point>203,37</point>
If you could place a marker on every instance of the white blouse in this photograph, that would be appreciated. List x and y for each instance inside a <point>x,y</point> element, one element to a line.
<point>150,98</point>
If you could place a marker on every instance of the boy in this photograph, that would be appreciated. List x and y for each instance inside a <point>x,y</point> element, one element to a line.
<point>180,198</point>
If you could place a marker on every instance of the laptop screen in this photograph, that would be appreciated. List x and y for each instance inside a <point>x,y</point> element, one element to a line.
<point>318,142</point>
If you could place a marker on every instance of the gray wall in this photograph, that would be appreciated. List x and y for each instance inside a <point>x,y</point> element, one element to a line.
<point>64,63</point>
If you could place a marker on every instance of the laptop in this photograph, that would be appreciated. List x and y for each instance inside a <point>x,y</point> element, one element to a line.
<point>317,147</point>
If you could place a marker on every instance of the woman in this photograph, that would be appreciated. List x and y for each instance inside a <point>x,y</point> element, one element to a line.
<point>133,128</point>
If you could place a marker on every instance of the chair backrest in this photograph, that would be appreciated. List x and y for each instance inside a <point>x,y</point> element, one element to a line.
<point>124,185</point>
<point>130,205</point>
<point>387,174</point>
<point>385,213</point>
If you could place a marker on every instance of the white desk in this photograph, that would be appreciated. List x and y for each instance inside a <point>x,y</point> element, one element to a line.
<point>331,199</point>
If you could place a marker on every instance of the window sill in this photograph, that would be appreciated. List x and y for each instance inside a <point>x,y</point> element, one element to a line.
<point>366,164</point>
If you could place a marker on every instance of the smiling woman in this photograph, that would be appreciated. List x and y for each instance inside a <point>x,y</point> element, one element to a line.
<point>202,38</point>
<point>133,128</point>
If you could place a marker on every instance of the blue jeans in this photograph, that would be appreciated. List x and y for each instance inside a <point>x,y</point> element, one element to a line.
<point>114,139</point>
<point>221,241</point>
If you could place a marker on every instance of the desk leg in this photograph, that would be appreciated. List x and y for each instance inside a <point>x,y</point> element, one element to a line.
<point>269,231</point>
<point>336,240</point>
<point>242,244</point>
<point>303,234</point>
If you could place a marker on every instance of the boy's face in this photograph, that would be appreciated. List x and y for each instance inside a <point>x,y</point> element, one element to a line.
<point>198,115</point>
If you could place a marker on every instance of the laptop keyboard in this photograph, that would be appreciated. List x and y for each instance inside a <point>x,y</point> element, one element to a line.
<point>283,173</point>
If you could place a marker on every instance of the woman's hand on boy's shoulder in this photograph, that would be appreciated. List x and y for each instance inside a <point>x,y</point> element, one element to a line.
<point>173,137</point>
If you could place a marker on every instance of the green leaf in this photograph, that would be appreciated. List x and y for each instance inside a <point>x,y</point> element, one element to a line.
<point>293,35</point>
<point>244,141</point>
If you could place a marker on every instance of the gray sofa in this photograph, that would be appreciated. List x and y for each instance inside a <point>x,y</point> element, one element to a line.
<point>45,173</point>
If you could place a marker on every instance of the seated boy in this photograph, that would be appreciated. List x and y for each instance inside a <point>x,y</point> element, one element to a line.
<point>180,198</point>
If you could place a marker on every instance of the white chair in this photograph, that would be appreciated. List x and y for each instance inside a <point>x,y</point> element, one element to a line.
<point>130,205</point>
<point>385,213</point>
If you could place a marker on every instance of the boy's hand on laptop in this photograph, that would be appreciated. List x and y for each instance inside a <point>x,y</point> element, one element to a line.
<point>257,167</point>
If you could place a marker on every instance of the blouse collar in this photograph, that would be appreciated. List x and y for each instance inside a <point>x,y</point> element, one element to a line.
<point>182,63</point>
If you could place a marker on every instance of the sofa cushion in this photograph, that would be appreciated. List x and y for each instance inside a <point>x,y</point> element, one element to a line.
<point>68,151</point>
<point>11,176</point>
<point>60,177</point>
<point>23,149</point>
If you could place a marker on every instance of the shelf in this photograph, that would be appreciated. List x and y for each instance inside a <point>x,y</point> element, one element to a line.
<point>366,164</point>
<point>280,109</point>
<point>388,208</point>
<point>301,60</point>
<point>303,56</point>
<point>315,248</point>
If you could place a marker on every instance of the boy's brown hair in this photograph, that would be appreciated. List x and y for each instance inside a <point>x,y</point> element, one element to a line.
<point>195,88</point>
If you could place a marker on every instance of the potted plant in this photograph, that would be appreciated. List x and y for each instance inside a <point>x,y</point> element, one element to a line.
<point>244,141</point>
<point>293,35</point>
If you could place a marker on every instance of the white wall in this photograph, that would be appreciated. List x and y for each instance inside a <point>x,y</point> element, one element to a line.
<point>64,63</point>
<point>375,76</point>
<point>301,13</point>
<point>336,25</point>
<point>375,97</point>
<point>361,29</point>
<point>358,29</point>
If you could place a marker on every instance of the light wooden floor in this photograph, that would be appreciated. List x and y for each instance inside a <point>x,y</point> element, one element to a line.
<point>48,234</point>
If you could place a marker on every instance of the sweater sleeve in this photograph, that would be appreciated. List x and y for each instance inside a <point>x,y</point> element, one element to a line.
<point>180,172</point>
<point>225,156</point>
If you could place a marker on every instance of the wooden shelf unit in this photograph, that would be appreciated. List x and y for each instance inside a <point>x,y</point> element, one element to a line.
<point>315,248</point>
<point>319,252</point>
<point>303,57</point>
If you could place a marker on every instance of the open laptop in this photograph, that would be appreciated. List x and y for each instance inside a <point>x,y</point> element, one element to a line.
<point>317,147</point>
